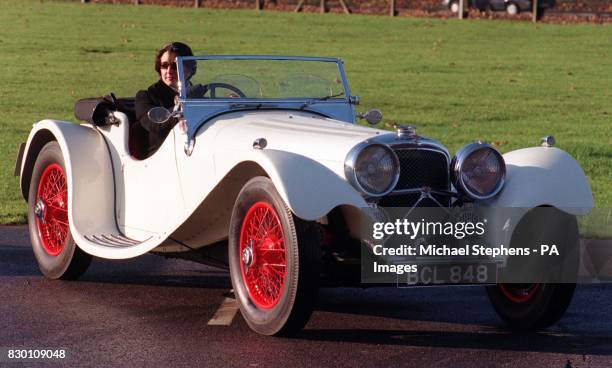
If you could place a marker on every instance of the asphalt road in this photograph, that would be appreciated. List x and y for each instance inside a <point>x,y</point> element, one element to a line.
<point>156,312</point>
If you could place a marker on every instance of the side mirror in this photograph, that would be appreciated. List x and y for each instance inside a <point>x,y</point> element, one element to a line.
<point>372,116</point>
<point>159,115</point>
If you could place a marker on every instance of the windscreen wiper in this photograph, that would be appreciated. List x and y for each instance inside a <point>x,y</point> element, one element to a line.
<point>313,101</point>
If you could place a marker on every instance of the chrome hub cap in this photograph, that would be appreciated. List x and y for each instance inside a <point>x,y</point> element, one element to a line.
<point>247,255</point>
<point>39,210</point>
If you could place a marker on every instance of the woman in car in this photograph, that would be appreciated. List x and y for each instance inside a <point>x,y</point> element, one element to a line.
<point>161,93</point>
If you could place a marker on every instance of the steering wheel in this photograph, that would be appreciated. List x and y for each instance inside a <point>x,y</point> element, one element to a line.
<point>212,87</point>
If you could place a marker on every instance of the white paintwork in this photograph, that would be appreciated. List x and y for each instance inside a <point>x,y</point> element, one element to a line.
<point>153,201</point>
<point>90,187</point>
<point>544,176</point>
<point>304,158</point>
<point>190,198</point>
<point>538,176</point>
<point>86,174</point>
<point>149,198</point>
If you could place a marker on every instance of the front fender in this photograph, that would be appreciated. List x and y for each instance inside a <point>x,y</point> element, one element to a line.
<point>310,189</point>
<point>544,176</point>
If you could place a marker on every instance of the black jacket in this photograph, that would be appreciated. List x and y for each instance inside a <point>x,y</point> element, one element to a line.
<point>158,94</point>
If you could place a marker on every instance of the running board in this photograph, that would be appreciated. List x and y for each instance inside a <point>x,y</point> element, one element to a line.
<point>114,245</point>
<point>113,240</point>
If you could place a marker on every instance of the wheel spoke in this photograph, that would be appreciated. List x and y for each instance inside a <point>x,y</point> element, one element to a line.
<point>265,277</point>
<point>53,228</point>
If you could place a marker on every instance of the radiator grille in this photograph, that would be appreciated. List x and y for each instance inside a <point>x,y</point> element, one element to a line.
<point>418,168</point>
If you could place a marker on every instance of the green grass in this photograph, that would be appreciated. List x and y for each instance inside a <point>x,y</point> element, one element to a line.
<point>506,82</point>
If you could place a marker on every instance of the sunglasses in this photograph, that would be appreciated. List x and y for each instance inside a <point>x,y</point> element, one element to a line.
<point>168,65</point>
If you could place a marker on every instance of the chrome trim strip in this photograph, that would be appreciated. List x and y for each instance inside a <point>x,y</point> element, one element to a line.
<point>117,241</point>
<point>339,63</point>
<point>102,240</point>
<point>125,238</point>
<point>96,239</point>
<point>179,74</point>
<point>260,57</point>
<point>113,240</point>
<point>347,91</point>
<point>419,190</point>
<point>392,141</point>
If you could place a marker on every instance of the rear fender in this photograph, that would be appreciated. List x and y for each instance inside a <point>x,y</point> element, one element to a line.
<point>88,173</point>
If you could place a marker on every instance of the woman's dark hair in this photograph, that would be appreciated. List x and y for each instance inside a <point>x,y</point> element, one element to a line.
<point>179,48</point>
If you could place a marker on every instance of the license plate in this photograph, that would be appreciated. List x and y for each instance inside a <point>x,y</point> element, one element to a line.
<point>441,274</point>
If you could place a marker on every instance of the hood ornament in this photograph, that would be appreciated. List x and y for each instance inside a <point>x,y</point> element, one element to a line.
<point>405,131</point>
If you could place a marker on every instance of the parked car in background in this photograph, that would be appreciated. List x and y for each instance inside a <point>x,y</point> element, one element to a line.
<point>511,7</point>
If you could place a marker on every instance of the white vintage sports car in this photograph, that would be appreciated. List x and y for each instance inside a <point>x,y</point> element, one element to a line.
<point>268,174</point>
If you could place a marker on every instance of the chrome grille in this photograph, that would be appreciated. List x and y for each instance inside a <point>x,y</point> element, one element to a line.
<point>420,167</point>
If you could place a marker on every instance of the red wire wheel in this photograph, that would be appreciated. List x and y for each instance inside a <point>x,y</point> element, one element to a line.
<point>52,209</point>
<point>263,262</point>
<point>519,293</point>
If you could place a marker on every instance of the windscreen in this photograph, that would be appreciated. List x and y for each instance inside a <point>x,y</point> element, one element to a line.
<point>262,79</point>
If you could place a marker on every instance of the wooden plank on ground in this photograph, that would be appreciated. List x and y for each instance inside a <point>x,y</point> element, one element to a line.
<point>225,314</point>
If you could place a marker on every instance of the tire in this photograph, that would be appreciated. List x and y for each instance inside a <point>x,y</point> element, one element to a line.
<point>57,254</point>
<point>274,272</point>
<point>532,306</point>
<point>512,9</point>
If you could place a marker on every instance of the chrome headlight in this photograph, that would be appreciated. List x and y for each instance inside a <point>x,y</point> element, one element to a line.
<point>372,168</point>
<point>478,170</point>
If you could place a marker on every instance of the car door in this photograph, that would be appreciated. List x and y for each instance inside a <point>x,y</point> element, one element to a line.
<point>149,198</point>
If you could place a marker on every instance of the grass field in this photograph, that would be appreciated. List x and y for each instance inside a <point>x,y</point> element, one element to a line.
<point>509,83</point>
